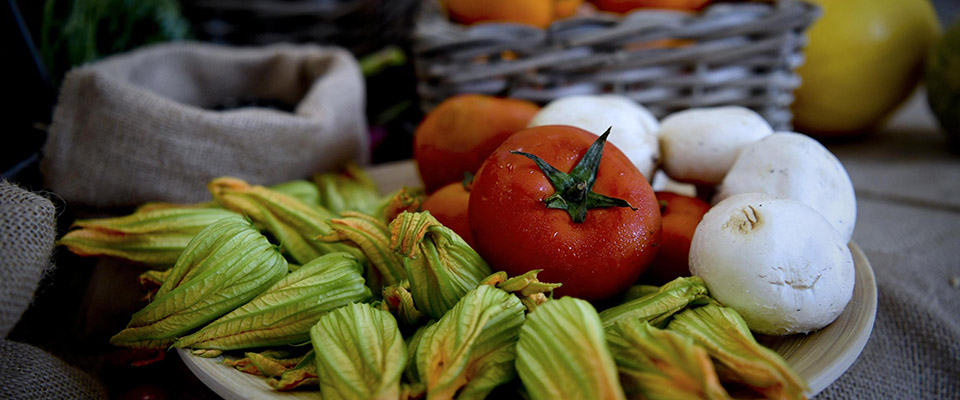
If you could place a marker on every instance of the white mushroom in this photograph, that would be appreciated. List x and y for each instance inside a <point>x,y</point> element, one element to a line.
<point>633,128</point>
<point>778,262</point>
<point>789,165</point>
<point>699,145</point>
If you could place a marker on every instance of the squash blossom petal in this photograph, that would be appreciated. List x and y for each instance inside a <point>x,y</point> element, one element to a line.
<point>439,264</point>
<point>471,350</point>
<point>153,237</point>
<point>403,200</point>
<point>349,189</point>
<point>372,236</point>
<point>656,307</point>
<point>726,337</point>
<point>398,300</point>
<point>658,364</point>
<point>562,353</point>
<point>291,222</point>
<point>285,312</point>
<point>360,353</point>
<point>225,265</point>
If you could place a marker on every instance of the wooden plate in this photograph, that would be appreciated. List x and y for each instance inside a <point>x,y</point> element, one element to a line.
<point>820,357</point>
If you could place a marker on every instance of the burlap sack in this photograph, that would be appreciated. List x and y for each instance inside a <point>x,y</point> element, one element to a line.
<point>29,373</point>
<point>143,126</point>
<point>27,234</point>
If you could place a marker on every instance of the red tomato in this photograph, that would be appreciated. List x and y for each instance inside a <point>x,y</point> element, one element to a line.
<point>680,214</point>
<point>516,232</point>
<point>449,206</point>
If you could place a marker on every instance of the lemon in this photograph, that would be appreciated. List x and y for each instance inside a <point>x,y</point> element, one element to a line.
<point>863,58</point>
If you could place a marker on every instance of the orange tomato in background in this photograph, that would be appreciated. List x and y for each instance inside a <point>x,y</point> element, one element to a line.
<point>457,135</point>
<point>539,13</point>
<point>680,216</point>
<point>625,6</point>
<point>449,206</point>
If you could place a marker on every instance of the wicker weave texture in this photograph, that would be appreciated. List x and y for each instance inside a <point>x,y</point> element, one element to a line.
<point>743,53</point>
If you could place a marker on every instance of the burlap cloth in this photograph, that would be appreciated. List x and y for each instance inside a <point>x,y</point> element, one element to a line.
<point>908,224</point>
<point>146,125</point>
<point>27,234</point>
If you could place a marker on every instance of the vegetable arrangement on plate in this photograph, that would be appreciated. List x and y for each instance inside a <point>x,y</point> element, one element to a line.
<point>533,276</point>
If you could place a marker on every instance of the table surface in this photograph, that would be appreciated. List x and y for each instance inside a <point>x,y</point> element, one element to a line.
<point>908,225</point>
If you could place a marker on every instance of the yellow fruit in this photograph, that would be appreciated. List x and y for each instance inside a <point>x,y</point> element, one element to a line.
<point>864,58</point>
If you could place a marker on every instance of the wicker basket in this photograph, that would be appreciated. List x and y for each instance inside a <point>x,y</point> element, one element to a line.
<point>742,53</point>
<point>362,26</point>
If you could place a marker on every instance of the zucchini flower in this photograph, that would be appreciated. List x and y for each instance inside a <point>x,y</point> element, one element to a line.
<point>302,190</point>
<point>404,199</point>
<point>657,307</point>
<point>658,364</point>
<point>562,353</point>
<point>360,353</point>
<point>225,265</point>
<point>153,237</point>
<point>372,236</point>
<point>471,350</point>
<point>284,313</point>
<point>527,287</point>
<point>440,265</point>
<point>293,223</point>
<point>726,337</point>
<point>349,189</point>
<point>398,300</point>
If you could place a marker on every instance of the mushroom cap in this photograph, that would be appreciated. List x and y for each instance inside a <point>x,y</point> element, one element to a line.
<point>778,262</point>
<point>633,127</point>
<point>700,144</point>
<point>789,165</point>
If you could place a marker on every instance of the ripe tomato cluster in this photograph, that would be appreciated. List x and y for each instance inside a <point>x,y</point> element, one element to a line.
<point>556,198</point>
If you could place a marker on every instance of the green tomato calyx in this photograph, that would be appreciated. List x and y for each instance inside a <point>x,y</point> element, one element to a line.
<point>574,191</point>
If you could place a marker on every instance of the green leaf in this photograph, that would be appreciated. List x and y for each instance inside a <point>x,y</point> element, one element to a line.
<point>726,337</point>
<point>284,314</point>
<point>225,265</point>
<point>657,307</point>
<point>657,364</point>
<point>360,353</point>
<point>562,353</point>
<point>472,349</point>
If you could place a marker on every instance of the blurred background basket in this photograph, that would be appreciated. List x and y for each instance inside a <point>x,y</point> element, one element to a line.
<point>362,26</point>
<point>742,53</point>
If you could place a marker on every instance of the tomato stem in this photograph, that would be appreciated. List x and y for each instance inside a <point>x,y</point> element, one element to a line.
<point>574,191</point>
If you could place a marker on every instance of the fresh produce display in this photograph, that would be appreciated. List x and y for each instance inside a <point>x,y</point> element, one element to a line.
<point>549,297</point>
<point>553,198</point>
<point>539,13</point>
<point>456,136</point>
<point>842,95</point>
